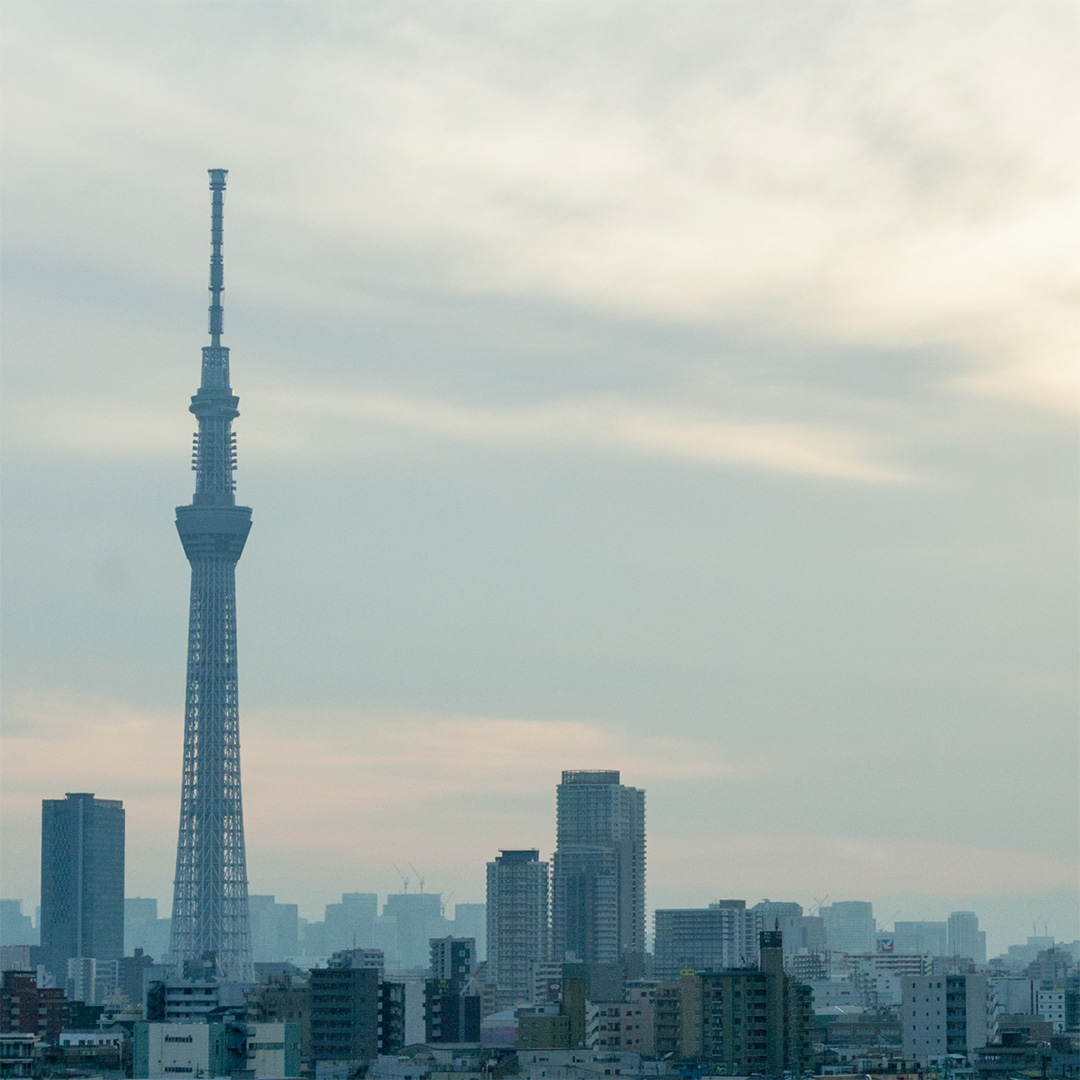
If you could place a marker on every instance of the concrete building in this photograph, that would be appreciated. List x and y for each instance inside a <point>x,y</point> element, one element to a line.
<point>930,938</point>
<point>740,1021</point>
<point>598,901</point>
<point>344,1012</point>
<point>451,1004</point>
<point>618,1026</point>
<point>17,1054</point>
<point>274,1050</point>
<point>177,1050</point>
<point>849,926</point>
<point>32,1010</point>
<point>965,938</point>
<point>1050,1005</point>
<point>82,880</point>
<point>91,981</point>
<point>518,932</point>
<point>723,935</point>
<point>944,1016</point>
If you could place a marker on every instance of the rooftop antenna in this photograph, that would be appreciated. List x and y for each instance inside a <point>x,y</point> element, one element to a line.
<point>404,879</point>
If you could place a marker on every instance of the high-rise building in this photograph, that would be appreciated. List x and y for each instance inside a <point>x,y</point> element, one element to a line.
<point>598,901</point>
<point>723,935</point>
<point>924,938</point>
<point>850,926</point>
<point>965,938</point>
<point>350,924</point>
<point>82,881</point>
<point>418,918</point>
<point>517,922</point>
<point>210,891</point>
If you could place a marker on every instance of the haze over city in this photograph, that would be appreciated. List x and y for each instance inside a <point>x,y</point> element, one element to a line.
<point>682,389</point>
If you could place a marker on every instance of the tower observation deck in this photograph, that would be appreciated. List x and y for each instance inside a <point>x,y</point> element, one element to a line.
<point>210,929</point>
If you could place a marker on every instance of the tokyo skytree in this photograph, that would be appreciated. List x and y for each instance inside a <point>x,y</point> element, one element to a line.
<point>210,931</point>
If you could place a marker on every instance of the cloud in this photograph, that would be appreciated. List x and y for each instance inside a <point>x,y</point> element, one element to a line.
<point>332,425</point>
<point>899,176</point>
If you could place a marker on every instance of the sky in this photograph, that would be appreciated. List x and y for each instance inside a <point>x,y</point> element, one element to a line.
<point>682,388</point>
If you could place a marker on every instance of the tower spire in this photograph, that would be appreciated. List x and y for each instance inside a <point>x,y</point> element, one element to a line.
<point>210,928</point>
<point>217,265</point>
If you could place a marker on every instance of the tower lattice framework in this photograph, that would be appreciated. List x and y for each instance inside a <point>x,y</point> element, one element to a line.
<point>210,927</point>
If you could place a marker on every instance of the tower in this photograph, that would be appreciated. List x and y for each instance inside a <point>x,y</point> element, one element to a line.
<point>82,880</point>
<point>210,930</point>
<point>517,922</point>
<point>598,902</point>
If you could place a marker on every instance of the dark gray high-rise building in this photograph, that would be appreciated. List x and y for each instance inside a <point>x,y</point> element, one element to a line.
<point>517,922</point>
<point>210,921</point>
<point>598,902</point>
<point>82,880</point>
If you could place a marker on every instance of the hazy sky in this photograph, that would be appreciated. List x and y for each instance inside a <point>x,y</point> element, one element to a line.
<point>682,388</point>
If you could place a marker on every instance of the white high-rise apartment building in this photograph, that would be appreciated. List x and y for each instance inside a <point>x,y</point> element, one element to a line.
<point>598,901</point>
<point>723,935</point>
<point>517,922</point>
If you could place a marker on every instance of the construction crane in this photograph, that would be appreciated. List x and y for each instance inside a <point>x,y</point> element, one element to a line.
<point>819,903</point>
<point>419,876</point>
<point>404,879</point>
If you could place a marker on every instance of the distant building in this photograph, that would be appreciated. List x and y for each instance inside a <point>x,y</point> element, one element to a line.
<point>965,937</point>
<point>351,923</point>
<point>144,930</point>
<point>929,938</point>
<point>470,920</point>
<point>418,918</point>
<point>943,1016</point>
<point>802,933</point>
<point>91,981</point>
<point>723,935</point>
<point>598,901</point>
<point>15,927</point>
<point>849,926</point>
<point>275,929</point>
<point>82,880</point>
<point>517,922</point>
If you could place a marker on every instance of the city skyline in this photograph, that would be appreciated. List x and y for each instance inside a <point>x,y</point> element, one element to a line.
<point>690,395</point>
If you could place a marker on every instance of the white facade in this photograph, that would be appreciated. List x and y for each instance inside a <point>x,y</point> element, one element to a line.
<point>1050,1005</point>
<point>517,922</point>
<point>945,1015</point>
